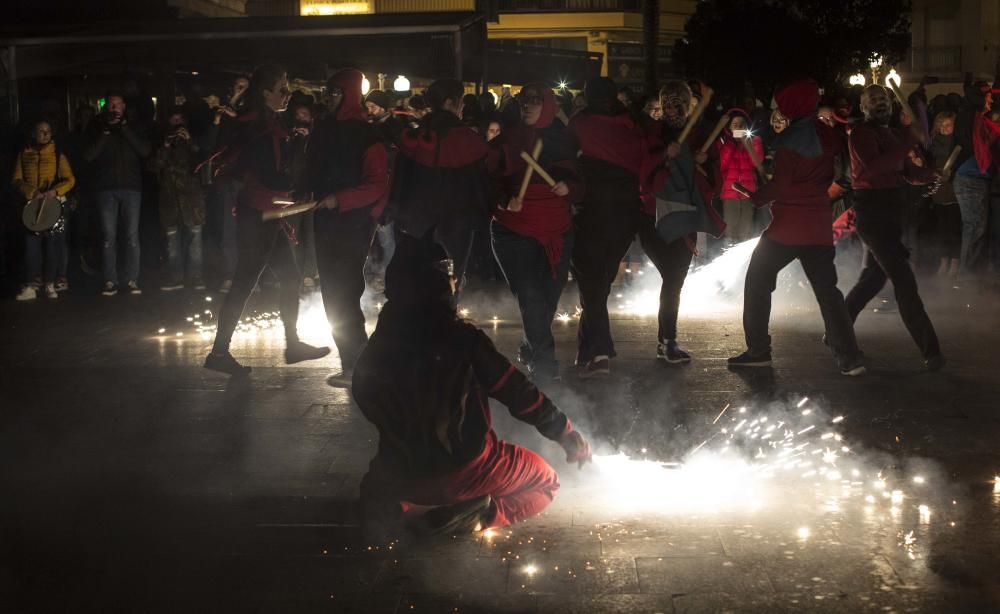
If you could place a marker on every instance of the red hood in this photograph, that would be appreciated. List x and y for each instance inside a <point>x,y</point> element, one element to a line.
<point>548,105</point>
<point>352,105</point>
<point>798,99</point>
<point>734,112</point>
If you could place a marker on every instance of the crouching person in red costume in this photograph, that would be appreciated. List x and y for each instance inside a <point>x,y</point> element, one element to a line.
<point>424,380</point>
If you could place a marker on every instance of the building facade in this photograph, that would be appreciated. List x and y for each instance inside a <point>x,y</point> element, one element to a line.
<point>952,38</point>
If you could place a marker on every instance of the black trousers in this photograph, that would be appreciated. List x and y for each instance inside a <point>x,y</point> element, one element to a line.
<point>768,259</point>
<point>260,244</point>
<point>878,219</point>
<point>342,244</point>
<point>672,260</point>
<point>604,232</point>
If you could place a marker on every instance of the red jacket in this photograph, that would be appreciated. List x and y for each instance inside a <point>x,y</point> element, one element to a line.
<point>346,158</point>
<point>736,165</point>
<point>803,171</point>
<point>879,157</point>
<point>544,216</point>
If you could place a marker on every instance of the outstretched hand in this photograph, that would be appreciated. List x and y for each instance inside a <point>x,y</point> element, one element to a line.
<point>577,448</point>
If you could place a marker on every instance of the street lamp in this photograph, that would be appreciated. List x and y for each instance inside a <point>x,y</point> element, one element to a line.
<point>401,84</point>
<point>858,79</point>
<point>894,77</point>
<point>876,65</point>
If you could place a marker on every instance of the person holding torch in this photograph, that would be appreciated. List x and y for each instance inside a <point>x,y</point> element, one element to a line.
<point>880,169</point>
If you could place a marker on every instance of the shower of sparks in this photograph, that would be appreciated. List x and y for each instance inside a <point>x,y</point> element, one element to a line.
<point>753,462</point>
<point>261,326</point>
<point>707,288</point>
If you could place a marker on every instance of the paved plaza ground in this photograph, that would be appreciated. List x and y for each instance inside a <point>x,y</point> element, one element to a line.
<point>136,481</point>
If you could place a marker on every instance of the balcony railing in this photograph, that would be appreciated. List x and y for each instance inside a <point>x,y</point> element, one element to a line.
<point>938,61</point>
<point>543,6</point>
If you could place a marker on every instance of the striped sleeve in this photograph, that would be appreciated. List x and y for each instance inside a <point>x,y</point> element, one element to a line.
<point>506,384</point>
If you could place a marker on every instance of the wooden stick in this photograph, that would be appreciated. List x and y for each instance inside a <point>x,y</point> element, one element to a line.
<point>538,169</point>
<point>902,101</point>
<point>951,159</point>
<point>537,151</point>
<point>277,214</point>
<point>696,114</point>
<point>719,127</point>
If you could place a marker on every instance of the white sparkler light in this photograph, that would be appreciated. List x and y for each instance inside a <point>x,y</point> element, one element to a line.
<point>707,288</point>
<point>530,570</point>
<point>919,479</point>
<point>996,484</point>
<point>925,514</point>
<point>803,532</point>
<point>894,77</point>
<point>366,85</point>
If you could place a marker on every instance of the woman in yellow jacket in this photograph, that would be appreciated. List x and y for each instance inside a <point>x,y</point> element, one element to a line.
<point>39,173</point>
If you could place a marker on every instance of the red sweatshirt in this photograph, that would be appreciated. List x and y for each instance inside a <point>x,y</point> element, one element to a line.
<point>879,160</point>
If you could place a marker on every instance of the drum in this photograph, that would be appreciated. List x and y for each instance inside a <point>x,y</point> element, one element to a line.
<point>42,214</point>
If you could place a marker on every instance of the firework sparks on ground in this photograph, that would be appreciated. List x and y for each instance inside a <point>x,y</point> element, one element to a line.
<point>793,460</point>
<point>707,288</point>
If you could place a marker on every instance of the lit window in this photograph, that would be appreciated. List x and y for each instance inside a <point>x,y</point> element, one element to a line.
<point>334,7</point>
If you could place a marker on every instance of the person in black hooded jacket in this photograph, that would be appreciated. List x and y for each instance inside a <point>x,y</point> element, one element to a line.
<point>440,179</point>
<point>424,380</point>
<point>349,177</point>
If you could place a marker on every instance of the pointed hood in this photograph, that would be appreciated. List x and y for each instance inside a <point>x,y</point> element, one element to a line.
<point>548,104</point>
<point>352,104</point>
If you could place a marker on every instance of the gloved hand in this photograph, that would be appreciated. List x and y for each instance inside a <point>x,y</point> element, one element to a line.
<point>577,448</point>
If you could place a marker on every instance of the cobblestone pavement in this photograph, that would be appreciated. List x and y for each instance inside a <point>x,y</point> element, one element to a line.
<point>134,480</point>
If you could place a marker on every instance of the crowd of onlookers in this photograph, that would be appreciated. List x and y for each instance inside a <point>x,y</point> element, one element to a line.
<point>130,153</point>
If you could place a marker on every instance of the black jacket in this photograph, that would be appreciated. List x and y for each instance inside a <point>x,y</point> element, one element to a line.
<point>426,389</point>
<point>117,158</point>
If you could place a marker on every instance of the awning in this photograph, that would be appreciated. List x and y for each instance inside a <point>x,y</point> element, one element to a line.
<point>430,45</point>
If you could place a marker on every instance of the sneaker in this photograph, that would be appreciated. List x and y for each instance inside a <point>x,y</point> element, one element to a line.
<point>27,293</point>
<point>465,517</point>
<point>672,353</point>
<point>198,284</point>
<point>935,363</point>
<point>110,288</point>
<point>225,363</point>
<point>748,359</point>
<point>226,286</point>
<point>173,284</point>
<point>133,287</point>
<point>62,284</point>
<point>299,352</point>
<point>341,380</point>
<point>598,366</point>
<point>50,291</point>
<point>853,368</point>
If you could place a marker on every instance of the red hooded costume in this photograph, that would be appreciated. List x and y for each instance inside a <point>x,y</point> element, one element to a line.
<point>545,217</point>
<point>440,173</point>
<point>803,171</point>
<point>346,158</point>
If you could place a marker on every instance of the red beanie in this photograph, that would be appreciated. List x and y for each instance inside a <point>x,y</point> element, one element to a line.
<point>798,99</point>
